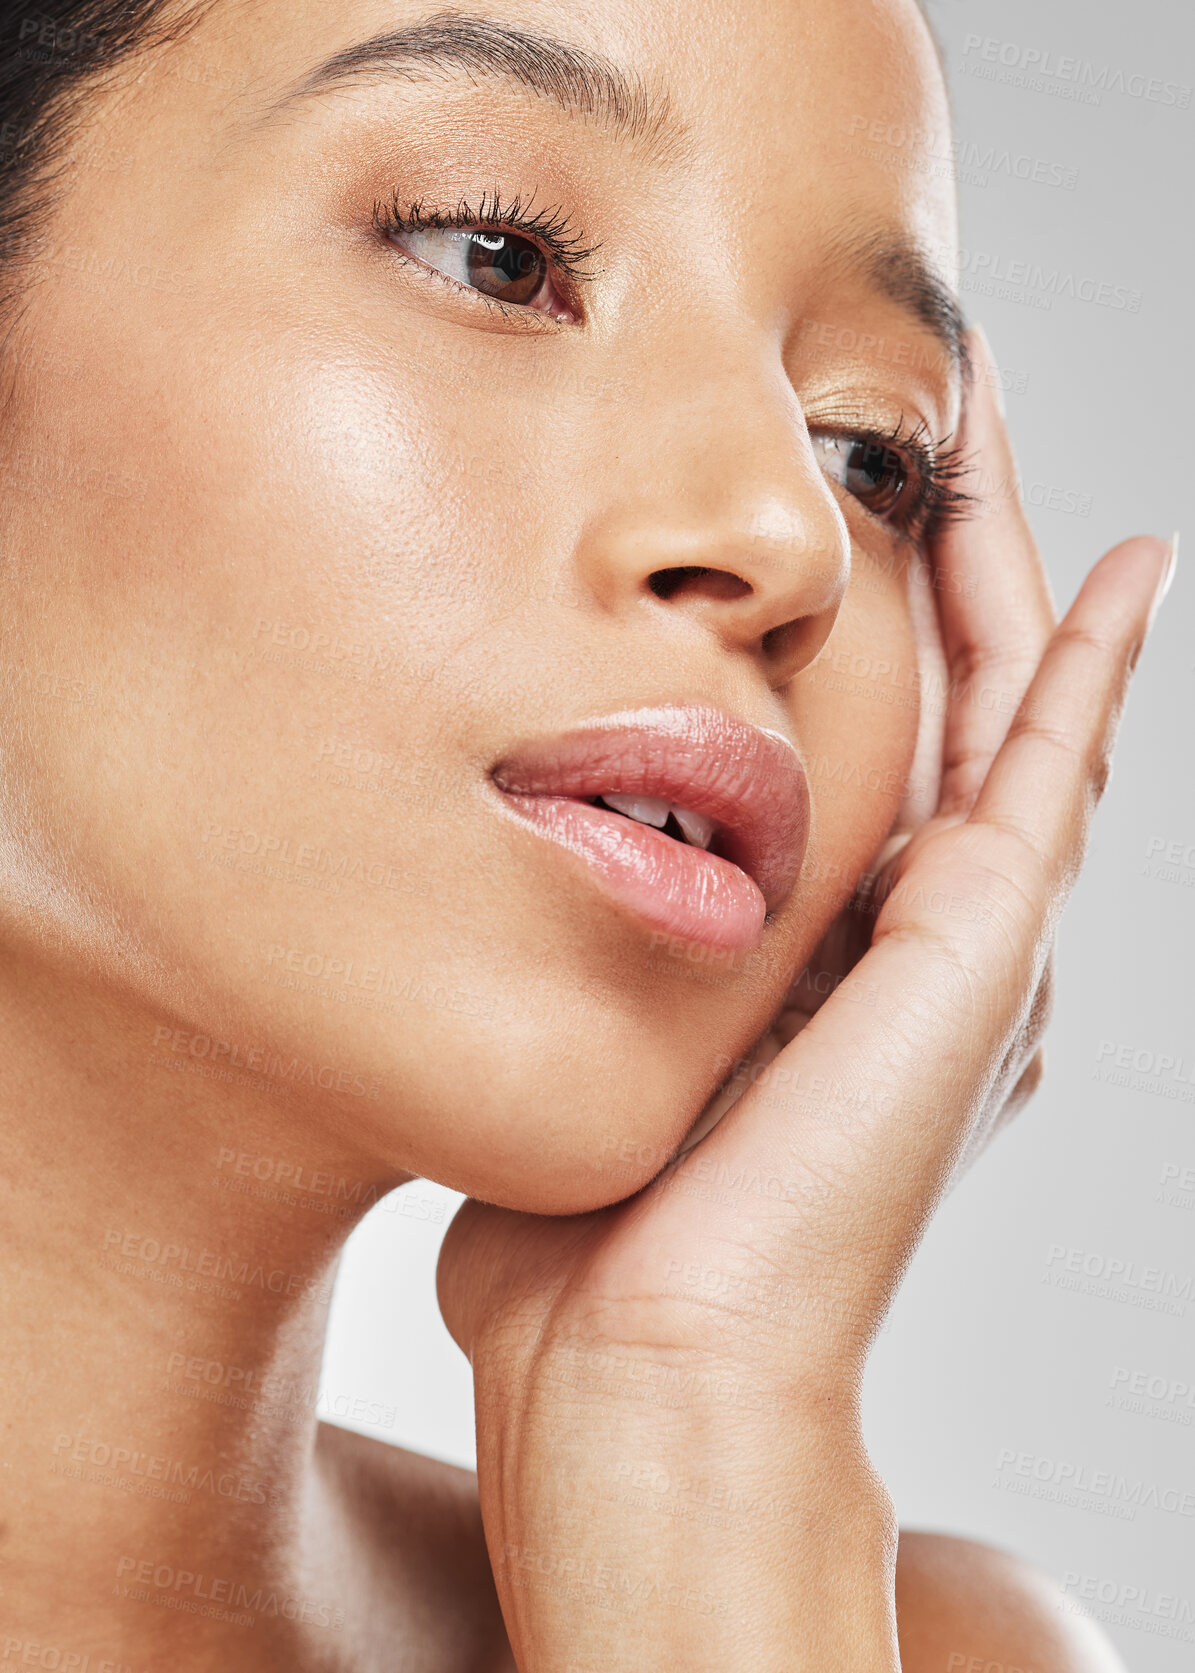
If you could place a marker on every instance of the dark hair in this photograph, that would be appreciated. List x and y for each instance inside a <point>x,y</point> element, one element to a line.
<point>49,53</point>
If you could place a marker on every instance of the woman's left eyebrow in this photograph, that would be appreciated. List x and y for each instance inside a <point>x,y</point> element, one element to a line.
<point>582,83</point>
<point>896,266</point>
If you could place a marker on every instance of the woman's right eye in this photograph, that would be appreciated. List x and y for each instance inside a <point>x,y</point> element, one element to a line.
<point>500,264</point>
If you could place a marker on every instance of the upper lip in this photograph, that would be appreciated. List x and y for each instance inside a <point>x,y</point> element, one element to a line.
<point>749,781</point>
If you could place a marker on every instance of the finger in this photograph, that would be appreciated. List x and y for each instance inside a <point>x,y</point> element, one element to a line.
<point>982,613</point>
<point>933,682</point>
<point>1061,738</point>
<point>873,1104</point>
<point>993,596</point>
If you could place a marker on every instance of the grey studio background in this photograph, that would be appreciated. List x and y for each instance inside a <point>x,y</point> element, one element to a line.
<point>1035,1385</point>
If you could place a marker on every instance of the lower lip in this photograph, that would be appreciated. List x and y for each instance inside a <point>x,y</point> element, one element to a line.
<point>679,890</point>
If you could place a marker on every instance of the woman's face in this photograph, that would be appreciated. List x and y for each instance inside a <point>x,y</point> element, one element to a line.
<point>304,539</point>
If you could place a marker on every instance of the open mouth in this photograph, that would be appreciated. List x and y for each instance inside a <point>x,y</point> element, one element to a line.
<point>680,823</point>
<point>694,822</point>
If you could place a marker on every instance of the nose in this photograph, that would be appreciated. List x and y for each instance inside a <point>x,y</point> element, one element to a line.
<point>716,510</point>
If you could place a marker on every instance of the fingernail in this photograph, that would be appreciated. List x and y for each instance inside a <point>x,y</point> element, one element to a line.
<point>1168,577</point>
<point>993,380</point>
<point>1164,580</point>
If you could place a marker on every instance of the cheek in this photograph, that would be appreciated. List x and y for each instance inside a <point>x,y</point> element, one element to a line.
<point>856,713</point>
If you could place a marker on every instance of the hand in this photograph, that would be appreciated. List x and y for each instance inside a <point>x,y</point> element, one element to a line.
<point>704,1341</point>
<point>983,622</point>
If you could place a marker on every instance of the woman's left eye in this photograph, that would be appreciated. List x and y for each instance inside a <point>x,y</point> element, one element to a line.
<point>866,467</point>
<point>501,265</point>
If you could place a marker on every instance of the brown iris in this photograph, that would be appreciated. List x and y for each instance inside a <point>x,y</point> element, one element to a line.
<point>876,474</point>
<point>505,266</point>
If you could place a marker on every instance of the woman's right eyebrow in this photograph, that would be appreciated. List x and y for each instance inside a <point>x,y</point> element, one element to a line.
<point>582,83</point>
<point>592,87</point>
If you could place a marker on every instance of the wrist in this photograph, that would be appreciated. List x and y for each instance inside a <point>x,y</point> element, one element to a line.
<point>624,1552</point>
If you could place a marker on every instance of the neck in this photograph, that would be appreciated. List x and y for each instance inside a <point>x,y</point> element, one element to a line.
<point>163,1314</point>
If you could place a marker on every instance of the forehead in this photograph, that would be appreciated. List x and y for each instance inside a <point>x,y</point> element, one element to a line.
<point>811,137</point>
<point>780,91</point>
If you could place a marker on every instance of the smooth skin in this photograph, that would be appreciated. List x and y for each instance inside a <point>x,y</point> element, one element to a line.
<point>766,1308</point>
<point>305,497</point>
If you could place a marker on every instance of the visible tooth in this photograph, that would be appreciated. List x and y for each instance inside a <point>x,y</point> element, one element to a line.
<point>649,810</point>
<point>697,828</point>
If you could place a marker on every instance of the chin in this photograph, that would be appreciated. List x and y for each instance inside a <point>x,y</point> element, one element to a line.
<point>560,1108</point>
<point>546,1125</point>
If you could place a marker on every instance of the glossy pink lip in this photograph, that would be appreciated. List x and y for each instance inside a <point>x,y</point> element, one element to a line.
<point>750,782</point>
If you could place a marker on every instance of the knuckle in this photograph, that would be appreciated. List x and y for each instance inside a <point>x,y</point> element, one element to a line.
<point>1023,844</point>
<point>1032,725</point>
<point>1006,669</point>
<point>1079,637</point>
<point>1092,756</point>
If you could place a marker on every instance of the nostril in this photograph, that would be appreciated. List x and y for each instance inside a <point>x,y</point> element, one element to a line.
<point>781,644</point>
<point>697,581</point>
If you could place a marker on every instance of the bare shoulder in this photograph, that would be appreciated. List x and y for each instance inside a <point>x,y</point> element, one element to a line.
<point>401,1536</point>
<point>965,1607</point>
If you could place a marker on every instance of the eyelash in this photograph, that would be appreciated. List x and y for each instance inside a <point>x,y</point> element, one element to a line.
<point>934,469</point>
<point>551,229</point>
<point>935,502</point>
